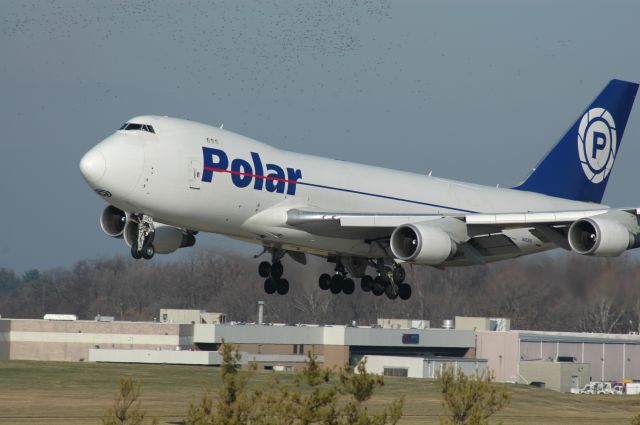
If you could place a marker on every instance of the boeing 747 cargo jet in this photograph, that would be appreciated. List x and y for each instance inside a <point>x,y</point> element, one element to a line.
<point>166,179</point>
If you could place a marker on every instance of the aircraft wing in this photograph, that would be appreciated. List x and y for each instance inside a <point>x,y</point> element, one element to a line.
<point>484,234</point>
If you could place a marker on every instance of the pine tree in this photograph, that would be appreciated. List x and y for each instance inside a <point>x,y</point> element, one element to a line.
<point>470,400</point>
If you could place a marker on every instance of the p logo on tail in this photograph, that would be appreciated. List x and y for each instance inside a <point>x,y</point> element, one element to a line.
<point>582,174</point>
<point>597,144</point>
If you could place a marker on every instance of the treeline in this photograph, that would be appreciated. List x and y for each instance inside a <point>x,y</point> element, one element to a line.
<point>555,291</point>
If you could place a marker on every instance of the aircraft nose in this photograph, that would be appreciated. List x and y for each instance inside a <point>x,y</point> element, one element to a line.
<point>93,166</point>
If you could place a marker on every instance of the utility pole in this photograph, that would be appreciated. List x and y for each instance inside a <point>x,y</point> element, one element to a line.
<point>44,296</point>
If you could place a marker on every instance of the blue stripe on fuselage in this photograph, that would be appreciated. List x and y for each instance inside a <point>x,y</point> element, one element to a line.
<point>393,198</point>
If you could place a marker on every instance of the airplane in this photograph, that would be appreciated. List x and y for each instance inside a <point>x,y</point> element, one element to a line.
<point>166,179</point>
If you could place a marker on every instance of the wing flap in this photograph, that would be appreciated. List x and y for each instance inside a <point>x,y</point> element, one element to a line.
<point>492,245</point>
<point>530,219</point>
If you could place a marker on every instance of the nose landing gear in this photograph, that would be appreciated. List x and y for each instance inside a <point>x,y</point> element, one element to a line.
<point>142,247</point>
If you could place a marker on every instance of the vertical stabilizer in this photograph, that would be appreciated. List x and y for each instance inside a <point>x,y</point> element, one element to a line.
<point>579,166</point>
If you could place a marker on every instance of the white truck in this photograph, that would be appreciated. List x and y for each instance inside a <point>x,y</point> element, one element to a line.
<point>588,389</point>
<point>632,388</point>
<point>598,388</point>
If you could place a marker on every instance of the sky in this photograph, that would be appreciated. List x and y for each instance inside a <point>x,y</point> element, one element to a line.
<point>476,91</point>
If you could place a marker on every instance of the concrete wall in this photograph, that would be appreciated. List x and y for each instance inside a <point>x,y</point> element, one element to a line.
<point>556,376</point>
<point>414,365</point>
<point>205,358</point>
<point>404,324</point>
<point>250,334</point>
<point>419,367</point>
<point>184,316</point>
<point>156,356</point>
<point>432,367</point>
<point>472,323</point>
<point>5,328</point>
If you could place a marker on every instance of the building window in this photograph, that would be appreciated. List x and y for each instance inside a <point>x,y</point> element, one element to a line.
<point>396,371</point>
<point>298,348</point>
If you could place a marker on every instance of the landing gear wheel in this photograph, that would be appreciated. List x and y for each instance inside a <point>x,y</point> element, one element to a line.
<point>135,253</point>
<point>269,286</point>
<point>264,269</point>
<point>399,275</point>
<point>348,286</point>
<point>148,251</point>
<point>366,283</point>
<point>391,291</point>
<point>282,286</point>
<point>404,291</point>
<point>378,286</point>
<point>336,284</point>
<point>276,270</point>
<point>324,281</point>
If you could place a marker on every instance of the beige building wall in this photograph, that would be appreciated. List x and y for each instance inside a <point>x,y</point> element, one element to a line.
<point>72,340</point>
<point>501,351</point>
<point>472,323</point>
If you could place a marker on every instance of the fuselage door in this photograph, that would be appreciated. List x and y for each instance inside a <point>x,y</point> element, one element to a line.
<point>195,174</point>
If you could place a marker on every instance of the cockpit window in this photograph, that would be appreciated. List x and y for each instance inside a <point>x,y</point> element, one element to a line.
<point>141,127</point>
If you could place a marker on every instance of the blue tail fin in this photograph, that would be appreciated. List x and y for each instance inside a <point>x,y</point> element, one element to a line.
<point>578,167</point>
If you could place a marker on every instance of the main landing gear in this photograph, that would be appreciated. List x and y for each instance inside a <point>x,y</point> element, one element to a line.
<point>337,283</point>
<point>389,281</point>
<point>142,246</point>
<point>273,271</point>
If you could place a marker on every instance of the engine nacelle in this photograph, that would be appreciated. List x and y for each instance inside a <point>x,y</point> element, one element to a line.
<point>600,237</point>
<point>422,244</point>
<point>113,221</point>
<point>166,239</point>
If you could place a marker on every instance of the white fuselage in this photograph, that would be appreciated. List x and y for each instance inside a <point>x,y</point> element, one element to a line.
<point>161,174</point>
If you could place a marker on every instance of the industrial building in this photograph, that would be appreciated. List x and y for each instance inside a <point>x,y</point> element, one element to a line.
<point>526,356</point>
<point>561,360</point>
<point>268,345</point>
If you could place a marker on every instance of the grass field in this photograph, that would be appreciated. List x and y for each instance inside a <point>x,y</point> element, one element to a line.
<point>79,393</point>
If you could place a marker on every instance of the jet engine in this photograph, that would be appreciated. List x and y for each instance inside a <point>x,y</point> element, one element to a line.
<point>422,243</point>
<point>601,237</point>
<point>166,238</point>
<point>112,221</point>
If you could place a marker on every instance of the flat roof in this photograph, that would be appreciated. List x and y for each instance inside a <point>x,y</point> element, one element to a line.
<point>573,337</point>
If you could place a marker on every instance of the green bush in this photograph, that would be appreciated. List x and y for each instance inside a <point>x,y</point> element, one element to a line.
<point>317,396</point>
